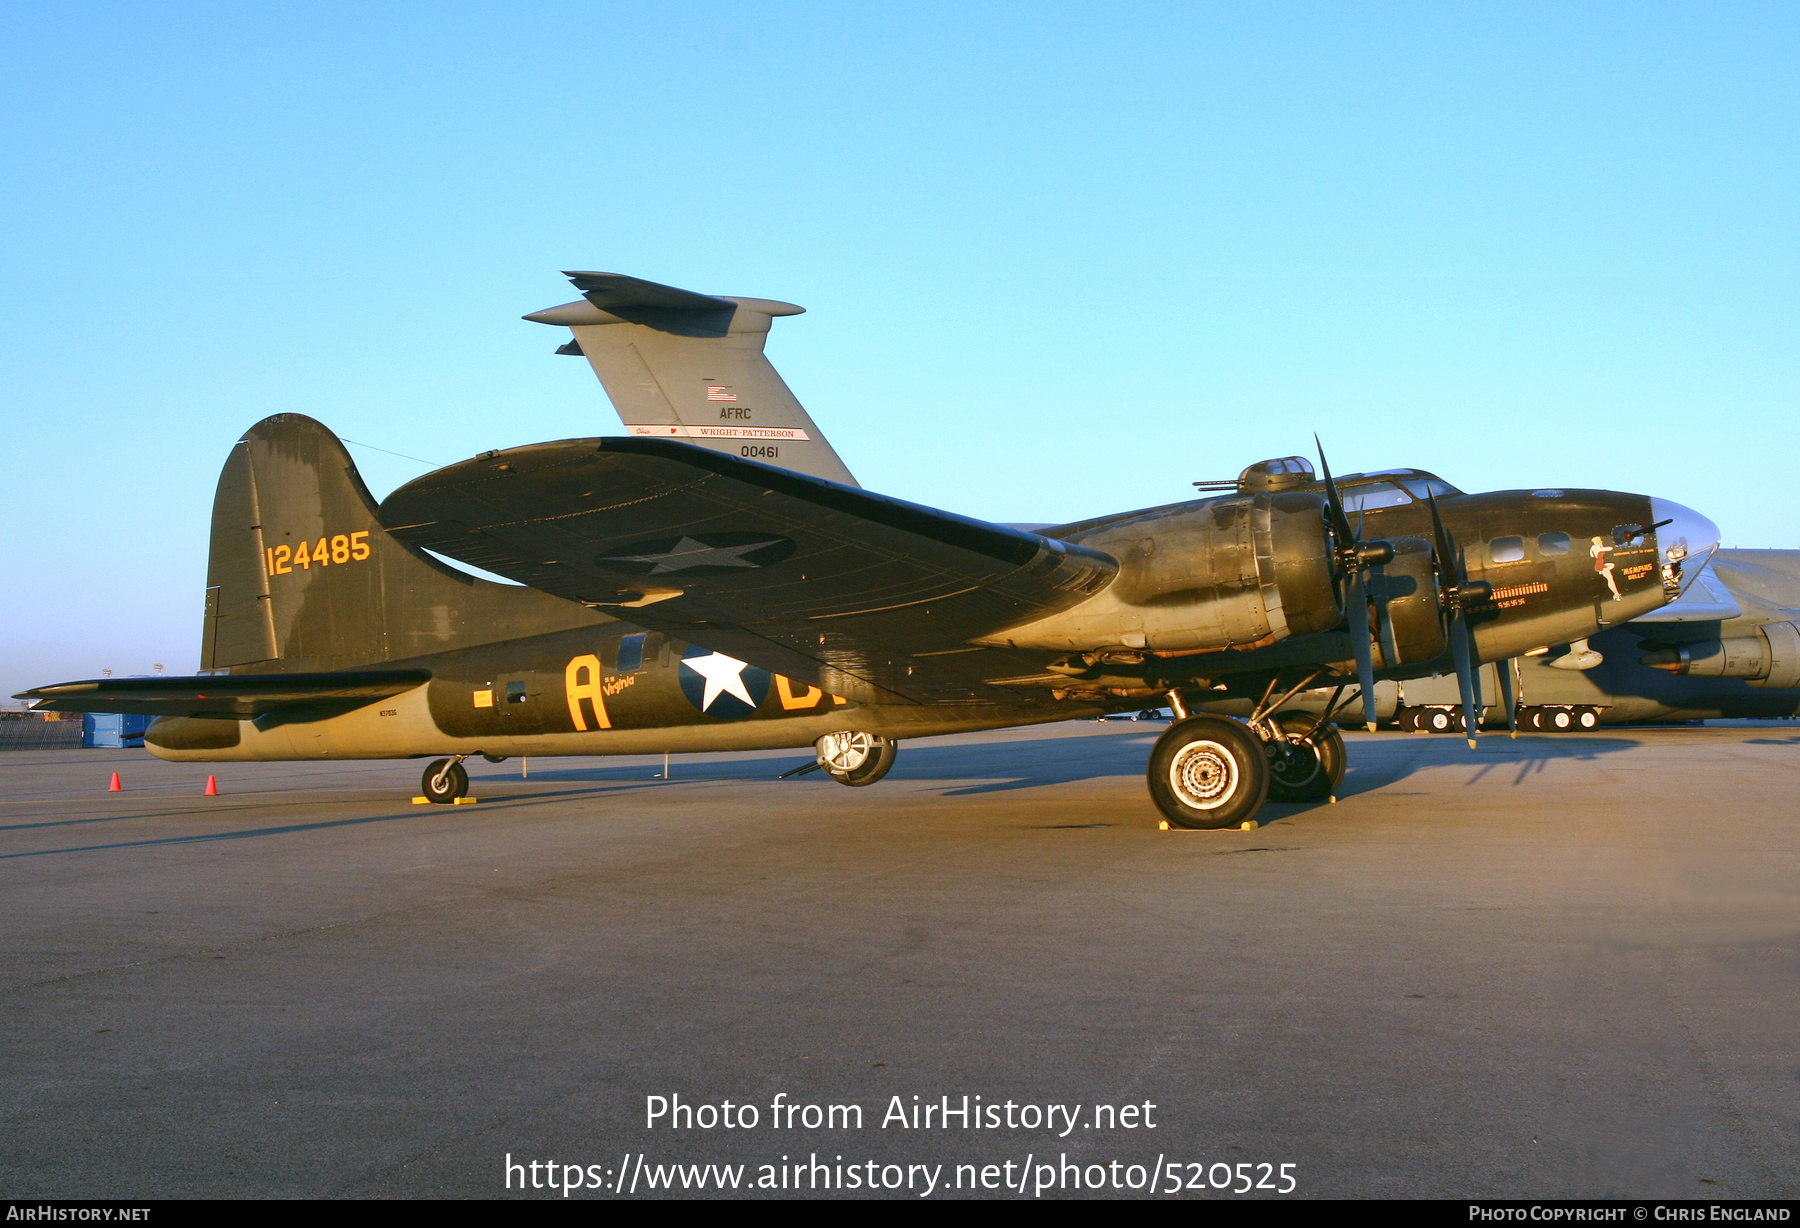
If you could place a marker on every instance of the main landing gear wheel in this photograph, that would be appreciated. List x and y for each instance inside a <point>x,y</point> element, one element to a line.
<point>1307,771</point>
<point>445,781</point>
<point>1438,720</point>
<point>1587,718</point>
<point>1560,719</point>
<point>856,759</point>
<point>1208,772</point>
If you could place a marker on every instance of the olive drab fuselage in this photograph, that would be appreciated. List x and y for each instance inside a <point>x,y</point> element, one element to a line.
<point>1563,565</point>
<point>607,689</point>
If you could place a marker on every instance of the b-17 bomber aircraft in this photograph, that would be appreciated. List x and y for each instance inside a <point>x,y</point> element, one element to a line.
<point>715,580</point>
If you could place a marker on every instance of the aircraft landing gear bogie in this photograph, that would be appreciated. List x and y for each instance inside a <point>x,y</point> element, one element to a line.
<point>445,781</point>
<point>1208,772</point>
<point>856,759</point>
<point>1560,718</point>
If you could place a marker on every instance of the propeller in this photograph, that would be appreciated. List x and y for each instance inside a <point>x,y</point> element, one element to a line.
<point>1504,671</point>
<point>1353,560</point>
<point>1458,593</point>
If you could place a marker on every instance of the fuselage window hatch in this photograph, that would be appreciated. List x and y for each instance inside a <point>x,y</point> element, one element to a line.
<point>1422,487</point>
<point>1552,544</point>
<point>631,654</point>
<point>1373,496</point>
<point>515,692</point>
<point>1506,549</point>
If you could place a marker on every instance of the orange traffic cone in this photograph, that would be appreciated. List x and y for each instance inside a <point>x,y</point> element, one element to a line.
<point>115,786</point>
<point>212,786</point>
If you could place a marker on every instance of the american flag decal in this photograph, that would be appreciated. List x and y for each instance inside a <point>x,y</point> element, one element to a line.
<point>714,393</point>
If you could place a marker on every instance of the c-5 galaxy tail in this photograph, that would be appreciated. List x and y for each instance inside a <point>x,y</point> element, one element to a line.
<point>687,366</point>
<point>302,576</point>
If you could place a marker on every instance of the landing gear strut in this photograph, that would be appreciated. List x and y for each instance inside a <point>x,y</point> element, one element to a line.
<point>445,780</point>
<point>1309,764</point>
<point>1212,771</point>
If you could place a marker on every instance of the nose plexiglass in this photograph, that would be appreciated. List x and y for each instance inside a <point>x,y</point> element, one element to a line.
<point>1686,542</point>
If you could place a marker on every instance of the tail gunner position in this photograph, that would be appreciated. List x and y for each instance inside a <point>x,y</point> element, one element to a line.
<point>715,580</point>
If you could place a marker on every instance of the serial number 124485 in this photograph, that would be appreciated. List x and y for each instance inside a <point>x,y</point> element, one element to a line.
<point>343,548</point>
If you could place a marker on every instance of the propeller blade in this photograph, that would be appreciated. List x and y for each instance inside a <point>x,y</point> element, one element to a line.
<point>1359,641</point>
<point>1384,625</point>
<point>1340,523</point>
<point>1475,664</point>
<point>1504,669</point>
<point>1465,676</point>
<point>1445,543</point>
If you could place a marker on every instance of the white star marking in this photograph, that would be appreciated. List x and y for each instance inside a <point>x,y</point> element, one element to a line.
<point>724,676</point>
<point>690,553</point>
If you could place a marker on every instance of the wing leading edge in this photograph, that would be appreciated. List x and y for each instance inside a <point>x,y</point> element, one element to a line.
<point>869,596</point>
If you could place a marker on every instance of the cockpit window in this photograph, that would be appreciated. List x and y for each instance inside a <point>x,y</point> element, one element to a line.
<point>1374,495</point>
<point>1506,549</point>
<point>1421,487</point>
<point>1552,544</point>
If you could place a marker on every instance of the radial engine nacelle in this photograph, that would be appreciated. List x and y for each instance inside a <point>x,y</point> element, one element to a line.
<point>1226,573</point>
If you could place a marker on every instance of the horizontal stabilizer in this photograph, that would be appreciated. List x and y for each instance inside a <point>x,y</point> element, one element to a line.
<point>225,696</point>
<point>812,579</point>
<point>611,297</point>
<point>609,290</point>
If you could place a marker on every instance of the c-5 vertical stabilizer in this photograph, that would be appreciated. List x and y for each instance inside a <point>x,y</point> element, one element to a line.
<point>681,365</point>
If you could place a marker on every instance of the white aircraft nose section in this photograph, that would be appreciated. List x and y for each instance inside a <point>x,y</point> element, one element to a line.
<point>1685,543</point>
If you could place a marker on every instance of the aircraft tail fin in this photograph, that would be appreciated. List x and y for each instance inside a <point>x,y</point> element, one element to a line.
<point>302,576</point>
<point>688,366</point>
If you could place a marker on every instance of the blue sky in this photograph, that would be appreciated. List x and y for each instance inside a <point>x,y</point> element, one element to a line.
<point>1059,259</point>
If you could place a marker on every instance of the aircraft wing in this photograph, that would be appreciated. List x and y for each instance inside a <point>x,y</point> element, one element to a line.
<point>1707,599</point>
<point>228,696</point>
<point>870,597</point>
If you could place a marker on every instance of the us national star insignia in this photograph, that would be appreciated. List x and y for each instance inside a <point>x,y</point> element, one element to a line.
<point>724,676</point>
<point>691,553</point>
<point>702,554</point>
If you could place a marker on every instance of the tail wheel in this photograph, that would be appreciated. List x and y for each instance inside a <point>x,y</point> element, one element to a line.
<point>444,781</point>
<point>1587,718</point>
<point>1208,772</point>
<point>1305,771</point>
<point>1439,720</point>
<point>1561,720</point>
<point>856,759</point>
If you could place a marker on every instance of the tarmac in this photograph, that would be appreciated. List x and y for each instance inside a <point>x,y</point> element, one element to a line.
<point>1561,966</point>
